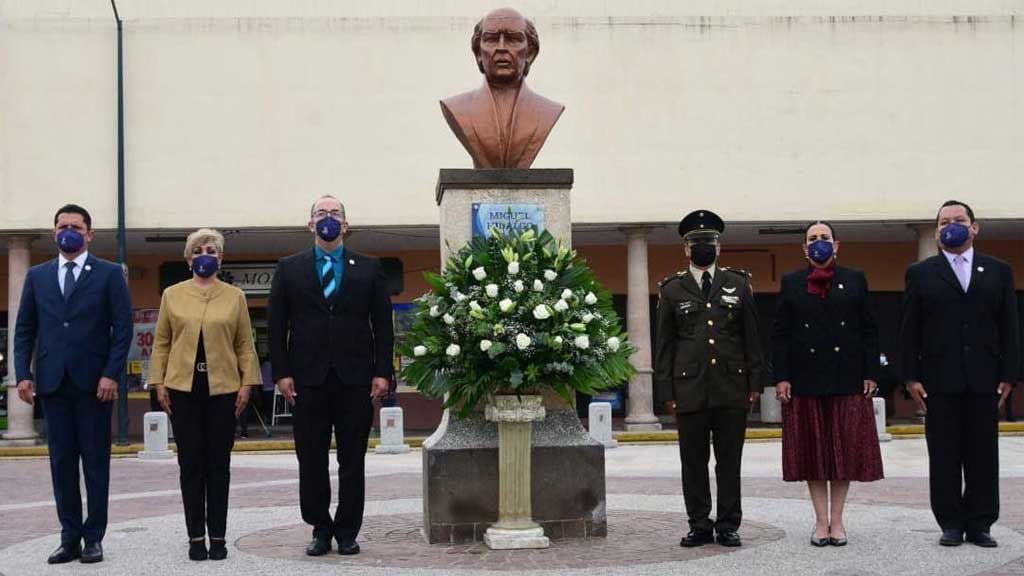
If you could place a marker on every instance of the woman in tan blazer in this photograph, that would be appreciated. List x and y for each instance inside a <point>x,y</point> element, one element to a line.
<point>203,365</point>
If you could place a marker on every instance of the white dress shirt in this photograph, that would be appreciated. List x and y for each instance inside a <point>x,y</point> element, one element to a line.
<point>961,264</point>
<point>698,274</point>
<point>62,269</point>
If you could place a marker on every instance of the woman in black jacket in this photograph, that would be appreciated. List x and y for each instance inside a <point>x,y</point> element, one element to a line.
<point>825,356</point>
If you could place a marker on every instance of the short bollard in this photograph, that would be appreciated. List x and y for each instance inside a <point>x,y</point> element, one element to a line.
<point>600,417</point>
<point>771,408</point>
<point>879,404</point>
<point>154,425</point>
<point>392,434</point>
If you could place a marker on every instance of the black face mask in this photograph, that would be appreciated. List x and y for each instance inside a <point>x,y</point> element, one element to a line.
<point>703,255</point>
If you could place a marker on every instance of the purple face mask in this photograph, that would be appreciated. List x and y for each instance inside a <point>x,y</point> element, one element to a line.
<point>205,265</point>
<point>70,241</point>
<point>954,235</point>
<point>328,229</point>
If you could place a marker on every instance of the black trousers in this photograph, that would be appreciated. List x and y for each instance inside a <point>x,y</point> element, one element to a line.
<point>963,460</point>
<point>204,431</point>
<point>348,411</point>
<point>78,431</point>
<point>725,428</point>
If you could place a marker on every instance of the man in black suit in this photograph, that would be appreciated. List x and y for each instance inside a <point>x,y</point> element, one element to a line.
<point>331,349</point>
<point>960,355</point>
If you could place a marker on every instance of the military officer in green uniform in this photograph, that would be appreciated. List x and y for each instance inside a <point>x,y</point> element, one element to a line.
<point>709,363</point>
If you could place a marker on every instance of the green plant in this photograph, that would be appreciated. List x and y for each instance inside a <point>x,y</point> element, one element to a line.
<point>514,314</point>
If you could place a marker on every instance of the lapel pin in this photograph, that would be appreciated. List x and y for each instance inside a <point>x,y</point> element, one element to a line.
<point>981,268</point>
<point>87,268</point>
<point>841,287</point>
<point>352,262</point>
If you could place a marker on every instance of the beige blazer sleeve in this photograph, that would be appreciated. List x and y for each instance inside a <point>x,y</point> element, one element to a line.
<point>161,345</point>
<point>245,348</point>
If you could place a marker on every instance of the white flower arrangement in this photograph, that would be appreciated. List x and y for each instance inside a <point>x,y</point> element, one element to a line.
<point>561,306</point>
<point>523,341</point>
<point>479,273</point>
<point>491,290</point>
<point>485,345</point>
<point>453,350</point>
<point>542,312</point>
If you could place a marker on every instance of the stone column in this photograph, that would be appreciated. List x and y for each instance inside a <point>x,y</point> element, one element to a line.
<point>20,429</point>
<point>640,416</point>
<point>926,244</point>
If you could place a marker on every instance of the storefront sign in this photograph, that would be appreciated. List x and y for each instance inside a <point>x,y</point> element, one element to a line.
<point>253,279</point>
<point>141,349</point>
<point>507,218</point>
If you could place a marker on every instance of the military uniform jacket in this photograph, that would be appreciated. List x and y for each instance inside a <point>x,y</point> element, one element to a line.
<point>825,346</point>
<point>708,350</point>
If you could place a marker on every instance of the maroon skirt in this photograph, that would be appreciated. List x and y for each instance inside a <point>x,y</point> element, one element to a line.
<point>830,438</point>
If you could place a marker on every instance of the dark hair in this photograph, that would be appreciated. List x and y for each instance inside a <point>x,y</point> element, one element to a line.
<point>532,40</point>
<point>74,209</point>
<point>948,203</point>
<point>831,229</point>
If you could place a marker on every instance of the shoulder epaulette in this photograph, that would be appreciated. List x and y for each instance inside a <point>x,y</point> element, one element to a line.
<point>668,279</point>
<point>743,273</point>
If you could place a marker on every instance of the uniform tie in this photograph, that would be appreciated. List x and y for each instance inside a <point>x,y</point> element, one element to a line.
<point>705,284</point>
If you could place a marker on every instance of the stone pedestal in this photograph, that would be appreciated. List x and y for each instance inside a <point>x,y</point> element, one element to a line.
<point>600,421</point>
<point>515,528</point>
<point>460,459</point>
<point>154,429</point>
<point>392,432</point>
<point>879,406</point>
<point>771,408</point>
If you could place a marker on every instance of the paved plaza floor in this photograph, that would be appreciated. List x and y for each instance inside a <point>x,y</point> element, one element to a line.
<point>890,527</point>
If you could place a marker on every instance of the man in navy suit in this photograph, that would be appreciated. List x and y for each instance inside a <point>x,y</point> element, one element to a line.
<point>961,351</point>
<point>76,318</point>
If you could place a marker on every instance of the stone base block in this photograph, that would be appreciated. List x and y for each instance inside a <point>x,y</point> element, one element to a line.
<point>884,437</point>
<point>503,539</point>
<point>156,455</point>
<point>17,442</point>
<point>460,479</point>
<point>651,427</point>
<point>392,449</point>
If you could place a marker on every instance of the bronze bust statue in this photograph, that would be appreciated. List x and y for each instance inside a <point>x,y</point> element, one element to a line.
<point>502,124</point>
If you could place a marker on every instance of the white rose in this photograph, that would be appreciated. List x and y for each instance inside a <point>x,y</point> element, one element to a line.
<point>541,312</point>
<point>419,351</point>
<point>523,341</point>
<point>479,273</point>
<point>518,286</point>
<point>538,286</point>
<point>561,306</point>
<point>485,345</point>
<point>513,268</point>
<point>587,318</point>
<point>566,294</point>
<point>448,319</point>
<point>582,342</point>
<point>474,306</point>
<point>558,340</point>
<point>492,290</point>
<point>435,311</point>
<point>590,298</point>
<point>453,350</point>
<point>550,275</point>
<point>613,344</point>
<point>458,296</point>
<point>506,305</point>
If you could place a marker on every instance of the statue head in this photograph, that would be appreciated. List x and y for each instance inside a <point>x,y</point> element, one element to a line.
<point>505,45</point>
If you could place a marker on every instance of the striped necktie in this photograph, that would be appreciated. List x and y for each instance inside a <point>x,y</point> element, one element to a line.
<point>330,281</point>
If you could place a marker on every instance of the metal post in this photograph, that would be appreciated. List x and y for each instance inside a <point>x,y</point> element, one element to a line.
<point>122,241</point>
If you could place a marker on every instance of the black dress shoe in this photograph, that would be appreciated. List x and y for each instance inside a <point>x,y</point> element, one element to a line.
<point>218,549</point>
<point>66,553</point>
<point>92,553</point>
<point>318,547</point>
<point>951,537</point>
<point>983,539</point>
<point>348,547</point>
<point>694,539</point>
<point>729,538</point>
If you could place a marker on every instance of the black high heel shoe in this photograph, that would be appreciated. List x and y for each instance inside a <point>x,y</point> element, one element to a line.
<point>819,542</point>
<point>218,549</point>
<point>836,541</point>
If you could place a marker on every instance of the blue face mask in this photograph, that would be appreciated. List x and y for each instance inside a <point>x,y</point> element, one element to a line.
<point>820,251</point>
<point>954,235</point>
<point>328,229</point>
<point>205,265</point>
<point>70,241</point>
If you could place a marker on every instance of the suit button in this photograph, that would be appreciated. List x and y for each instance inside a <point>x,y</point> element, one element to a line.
<point>836,348</point>
<point>812,350</point>
<point>967,348</point>
<point>843,323</point>
<point>66,324</point>
<point>711,341</point>
<point>709,304</point>
<point>806,325</point>
<point>714,361</point>
<point>711,322</point>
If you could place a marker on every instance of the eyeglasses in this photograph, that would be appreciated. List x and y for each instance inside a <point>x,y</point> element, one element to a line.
<point>325,213</point>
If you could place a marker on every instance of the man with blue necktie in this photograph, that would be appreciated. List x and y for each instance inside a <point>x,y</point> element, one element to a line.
<point>75,318</point>
<point>961,350</point>
<point>331,350</point>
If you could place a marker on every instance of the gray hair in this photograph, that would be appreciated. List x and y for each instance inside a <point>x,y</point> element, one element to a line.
<point>312,208</point>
